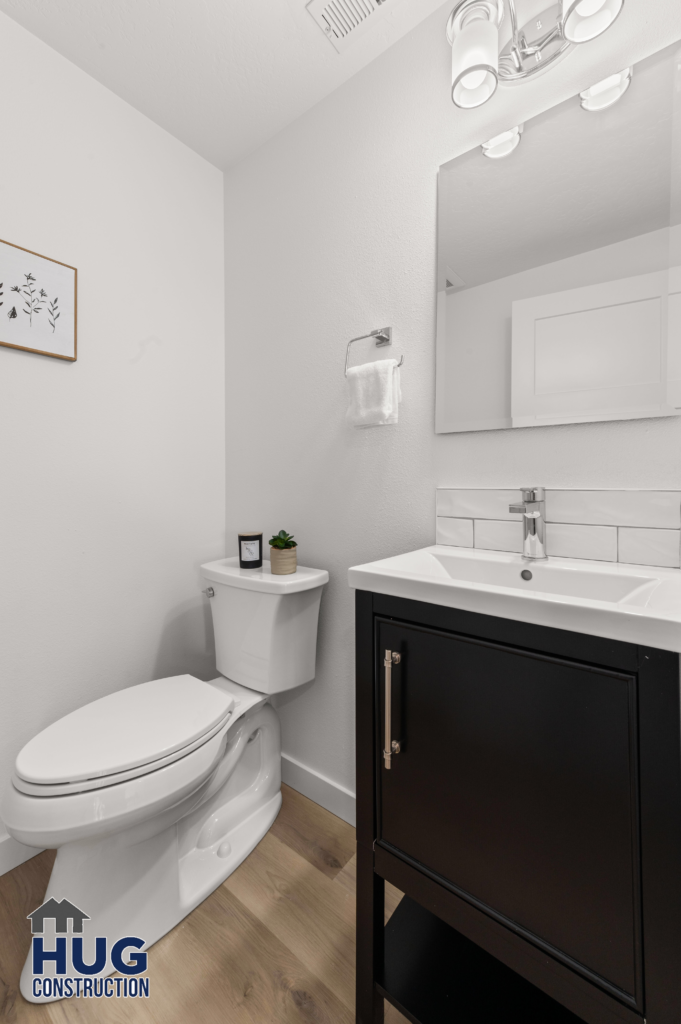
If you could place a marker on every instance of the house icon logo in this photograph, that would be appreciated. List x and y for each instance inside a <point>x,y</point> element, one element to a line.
<point>66,963</point>
<point>62,911</point>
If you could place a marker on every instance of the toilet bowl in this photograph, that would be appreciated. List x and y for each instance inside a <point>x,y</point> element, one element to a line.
<point>154,794</point>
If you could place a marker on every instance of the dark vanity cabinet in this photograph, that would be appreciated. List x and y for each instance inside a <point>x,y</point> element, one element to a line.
<point>531,815</point>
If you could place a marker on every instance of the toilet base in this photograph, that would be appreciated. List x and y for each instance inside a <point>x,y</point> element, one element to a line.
<point>136,883</point>
<point>202,871</point>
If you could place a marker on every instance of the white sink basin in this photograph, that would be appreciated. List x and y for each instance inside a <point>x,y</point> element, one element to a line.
<point>639,604</point>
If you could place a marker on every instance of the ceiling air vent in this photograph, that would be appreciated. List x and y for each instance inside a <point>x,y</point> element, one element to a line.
<point>342,21</point>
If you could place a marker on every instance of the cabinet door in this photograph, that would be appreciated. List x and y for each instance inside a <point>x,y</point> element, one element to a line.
<point>516,783</point>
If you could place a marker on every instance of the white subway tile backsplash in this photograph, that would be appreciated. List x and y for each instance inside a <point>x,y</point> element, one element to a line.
<point>569,540</point>
<point>656,509</point>
<point>495,535</point>
<point>650,547</point>
<point>482,503</point>
<point>458,532</point>
<point>636,526</point>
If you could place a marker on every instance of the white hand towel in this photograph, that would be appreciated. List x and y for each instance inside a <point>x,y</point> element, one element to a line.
<point>375,393</point>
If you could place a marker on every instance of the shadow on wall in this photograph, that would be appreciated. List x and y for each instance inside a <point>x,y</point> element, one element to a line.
<point>280,700</point>
<point>187,643</point>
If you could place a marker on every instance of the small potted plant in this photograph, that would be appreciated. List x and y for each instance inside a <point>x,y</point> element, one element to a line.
<point>283,558</point>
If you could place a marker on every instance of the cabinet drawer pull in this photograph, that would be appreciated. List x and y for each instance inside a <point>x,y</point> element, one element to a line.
<point>391,746</point>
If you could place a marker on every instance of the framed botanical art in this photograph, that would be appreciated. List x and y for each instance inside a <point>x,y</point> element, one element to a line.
<point>38,303</point>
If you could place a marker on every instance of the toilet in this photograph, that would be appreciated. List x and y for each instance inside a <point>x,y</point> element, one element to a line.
<point>154,794</point>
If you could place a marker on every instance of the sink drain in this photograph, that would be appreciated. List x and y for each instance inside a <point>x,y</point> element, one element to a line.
<point>526,574</point>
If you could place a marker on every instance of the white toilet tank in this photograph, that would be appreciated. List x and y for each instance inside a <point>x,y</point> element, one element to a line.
<point>265,626</point>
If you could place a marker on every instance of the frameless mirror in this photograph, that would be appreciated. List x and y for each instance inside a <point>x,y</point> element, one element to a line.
<point>559,263</point>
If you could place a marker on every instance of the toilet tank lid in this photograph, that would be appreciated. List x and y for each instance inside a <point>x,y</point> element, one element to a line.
<point>227,572</point>
<point>128,728</point>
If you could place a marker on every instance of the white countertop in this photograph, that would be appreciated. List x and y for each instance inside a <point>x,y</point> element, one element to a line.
<point>637,604</point>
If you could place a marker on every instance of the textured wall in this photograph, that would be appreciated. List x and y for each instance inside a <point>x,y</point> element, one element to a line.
<point>331,232</point>
<point>112,488</point>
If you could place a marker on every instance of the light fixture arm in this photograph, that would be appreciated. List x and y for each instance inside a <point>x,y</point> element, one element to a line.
<point>534,45</point>
<point>515,35</point>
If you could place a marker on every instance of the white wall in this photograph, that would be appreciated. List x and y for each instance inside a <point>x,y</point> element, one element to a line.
<point>331,232</point>
<point>112,468</point>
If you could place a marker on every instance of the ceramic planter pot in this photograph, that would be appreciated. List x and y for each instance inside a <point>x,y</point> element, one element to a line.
<point>283,561</point>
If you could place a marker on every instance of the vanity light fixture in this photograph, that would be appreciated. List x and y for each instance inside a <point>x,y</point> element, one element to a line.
<point>490,43</point>
<point>607,92</point>
<point>504,144</point>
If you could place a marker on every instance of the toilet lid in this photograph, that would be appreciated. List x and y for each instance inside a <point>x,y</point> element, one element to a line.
<point>124,730</point>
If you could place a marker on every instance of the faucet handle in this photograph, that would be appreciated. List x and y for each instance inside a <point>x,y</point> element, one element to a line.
<point>531,496</point>
<point>533,493</point>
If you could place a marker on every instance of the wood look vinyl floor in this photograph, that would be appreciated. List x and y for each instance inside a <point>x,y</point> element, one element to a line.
<point>275,944</point>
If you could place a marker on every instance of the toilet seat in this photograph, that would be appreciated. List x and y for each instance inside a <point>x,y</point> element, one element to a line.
<point>57,820</point>
<point>122,736</point>
<point>84,785</point>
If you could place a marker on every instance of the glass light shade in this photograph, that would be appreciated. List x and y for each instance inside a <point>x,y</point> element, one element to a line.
<point>585,19</point>
<point>607,92</point>
<point>587,8</point>
<point>475,63</point>
<point>503,145</point>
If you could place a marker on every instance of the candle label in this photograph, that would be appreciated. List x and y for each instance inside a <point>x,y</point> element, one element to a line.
<point>250,550</point>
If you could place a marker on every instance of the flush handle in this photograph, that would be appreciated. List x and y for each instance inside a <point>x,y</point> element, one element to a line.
<point>391,746</point>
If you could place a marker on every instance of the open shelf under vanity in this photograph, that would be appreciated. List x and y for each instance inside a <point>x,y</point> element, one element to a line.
<point>432,974</point>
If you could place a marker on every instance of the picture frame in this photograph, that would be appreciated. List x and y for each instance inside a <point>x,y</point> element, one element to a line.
<point>39,300</point>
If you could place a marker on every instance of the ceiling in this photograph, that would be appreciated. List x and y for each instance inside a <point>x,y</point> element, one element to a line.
<point>221,75</point>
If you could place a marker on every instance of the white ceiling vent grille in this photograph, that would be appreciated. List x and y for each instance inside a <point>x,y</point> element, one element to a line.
<point>342,21</point>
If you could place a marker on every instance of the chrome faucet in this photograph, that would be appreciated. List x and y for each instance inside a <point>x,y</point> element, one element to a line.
<point>533,511</point>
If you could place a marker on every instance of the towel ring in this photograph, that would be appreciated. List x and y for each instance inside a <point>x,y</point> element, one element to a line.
<point>383,336</point>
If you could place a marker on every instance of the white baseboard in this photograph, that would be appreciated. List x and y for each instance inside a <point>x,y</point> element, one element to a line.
<point>13,853</point>
<point>331,795</point>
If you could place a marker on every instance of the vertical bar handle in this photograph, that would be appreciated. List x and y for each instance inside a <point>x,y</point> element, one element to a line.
<point>391,745</point>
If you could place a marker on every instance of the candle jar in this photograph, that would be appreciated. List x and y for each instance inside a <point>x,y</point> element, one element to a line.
<point>250,550</point>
